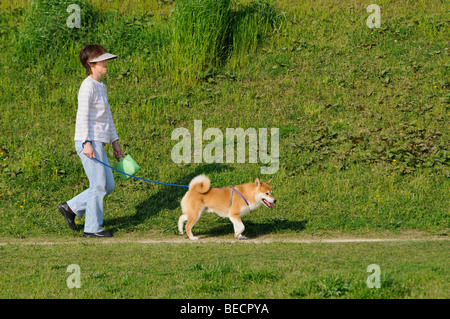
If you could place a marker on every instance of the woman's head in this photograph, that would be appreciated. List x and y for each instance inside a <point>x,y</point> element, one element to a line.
<point>88,53</point>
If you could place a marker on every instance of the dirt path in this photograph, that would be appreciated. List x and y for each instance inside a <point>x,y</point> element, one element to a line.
<point>287,240</point>
<point>206,240</point>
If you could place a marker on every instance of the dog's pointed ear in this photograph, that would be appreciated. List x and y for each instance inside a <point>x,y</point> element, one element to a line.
<point>268,182</point>
<point>257,182</point>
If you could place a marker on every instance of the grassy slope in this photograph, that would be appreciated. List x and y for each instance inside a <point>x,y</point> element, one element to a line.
<point>345,98</point>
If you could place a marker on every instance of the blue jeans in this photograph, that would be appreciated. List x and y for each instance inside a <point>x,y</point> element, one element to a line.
<point>101,183</point>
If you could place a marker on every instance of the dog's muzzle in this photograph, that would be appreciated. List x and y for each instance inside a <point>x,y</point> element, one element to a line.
<point>268,204</point>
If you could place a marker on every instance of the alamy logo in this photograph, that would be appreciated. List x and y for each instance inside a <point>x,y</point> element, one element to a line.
<point>74,280</point>
<point>213,151</point>
<point>374,280</point>
<point>374,20</point>
<point>74,20</point>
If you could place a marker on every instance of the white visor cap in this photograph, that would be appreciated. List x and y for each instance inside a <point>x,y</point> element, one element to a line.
<point>104,57</point>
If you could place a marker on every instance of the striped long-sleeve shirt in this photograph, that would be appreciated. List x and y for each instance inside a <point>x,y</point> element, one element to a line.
<point>94,118</point>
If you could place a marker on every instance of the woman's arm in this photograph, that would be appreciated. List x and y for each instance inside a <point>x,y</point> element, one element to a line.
<point>84,131</point>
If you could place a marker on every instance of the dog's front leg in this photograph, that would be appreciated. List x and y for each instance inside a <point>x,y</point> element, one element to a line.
<point>238,227</point>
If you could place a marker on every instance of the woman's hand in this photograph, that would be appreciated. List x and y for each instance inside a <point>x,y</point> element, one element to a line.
<point>117,150</point>
<point>88,150</point>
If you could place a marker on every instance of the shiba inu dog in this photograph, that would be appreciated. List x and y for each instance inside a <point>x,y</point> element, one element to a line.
<point>231,202</point>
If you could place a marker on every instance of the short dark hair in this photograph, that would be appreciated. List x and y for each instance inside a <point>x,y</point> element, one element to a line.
<point>89,52</point>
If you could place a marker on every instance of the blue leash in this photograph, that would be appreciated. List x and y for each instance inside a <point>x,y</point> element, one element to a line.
<point>142,179</point>
<point>167,184</point>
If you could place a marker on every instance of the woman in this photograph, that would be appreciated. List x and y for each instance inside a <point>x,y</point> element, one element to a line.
<point>94,128</point>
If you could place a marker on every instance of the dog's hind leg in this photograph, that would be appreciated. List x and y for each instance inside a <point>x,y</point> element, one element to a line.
<point>181,221</point>
<point>188,216</point>
<point>192,220</point>
<point>190,223</point>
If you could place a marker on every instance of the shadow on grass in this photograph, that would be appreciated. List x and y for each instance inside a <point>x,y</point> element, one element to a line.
<point>257,229</point>
<point>167,198</point>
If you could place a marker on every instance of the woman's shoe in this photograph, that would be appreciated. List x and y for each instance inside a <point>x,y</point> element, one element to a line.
<point>68,215</point>
<point>102,234</point>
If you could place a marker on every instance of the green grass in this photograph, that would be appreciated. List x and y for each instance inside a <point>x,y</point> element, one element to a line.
<point>362,115</point>
<point>197,37</point>
<point>203,35</point>
<point>408,270</point>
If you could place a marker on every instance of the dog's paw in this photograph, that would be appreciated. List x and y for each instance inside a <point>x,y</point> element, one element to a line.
<point>193,238</point>
<point>242,237</point>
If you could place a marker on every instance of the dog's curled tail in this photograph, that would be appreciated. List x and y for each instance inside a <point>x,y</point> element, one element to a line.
<point>200,184</point>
